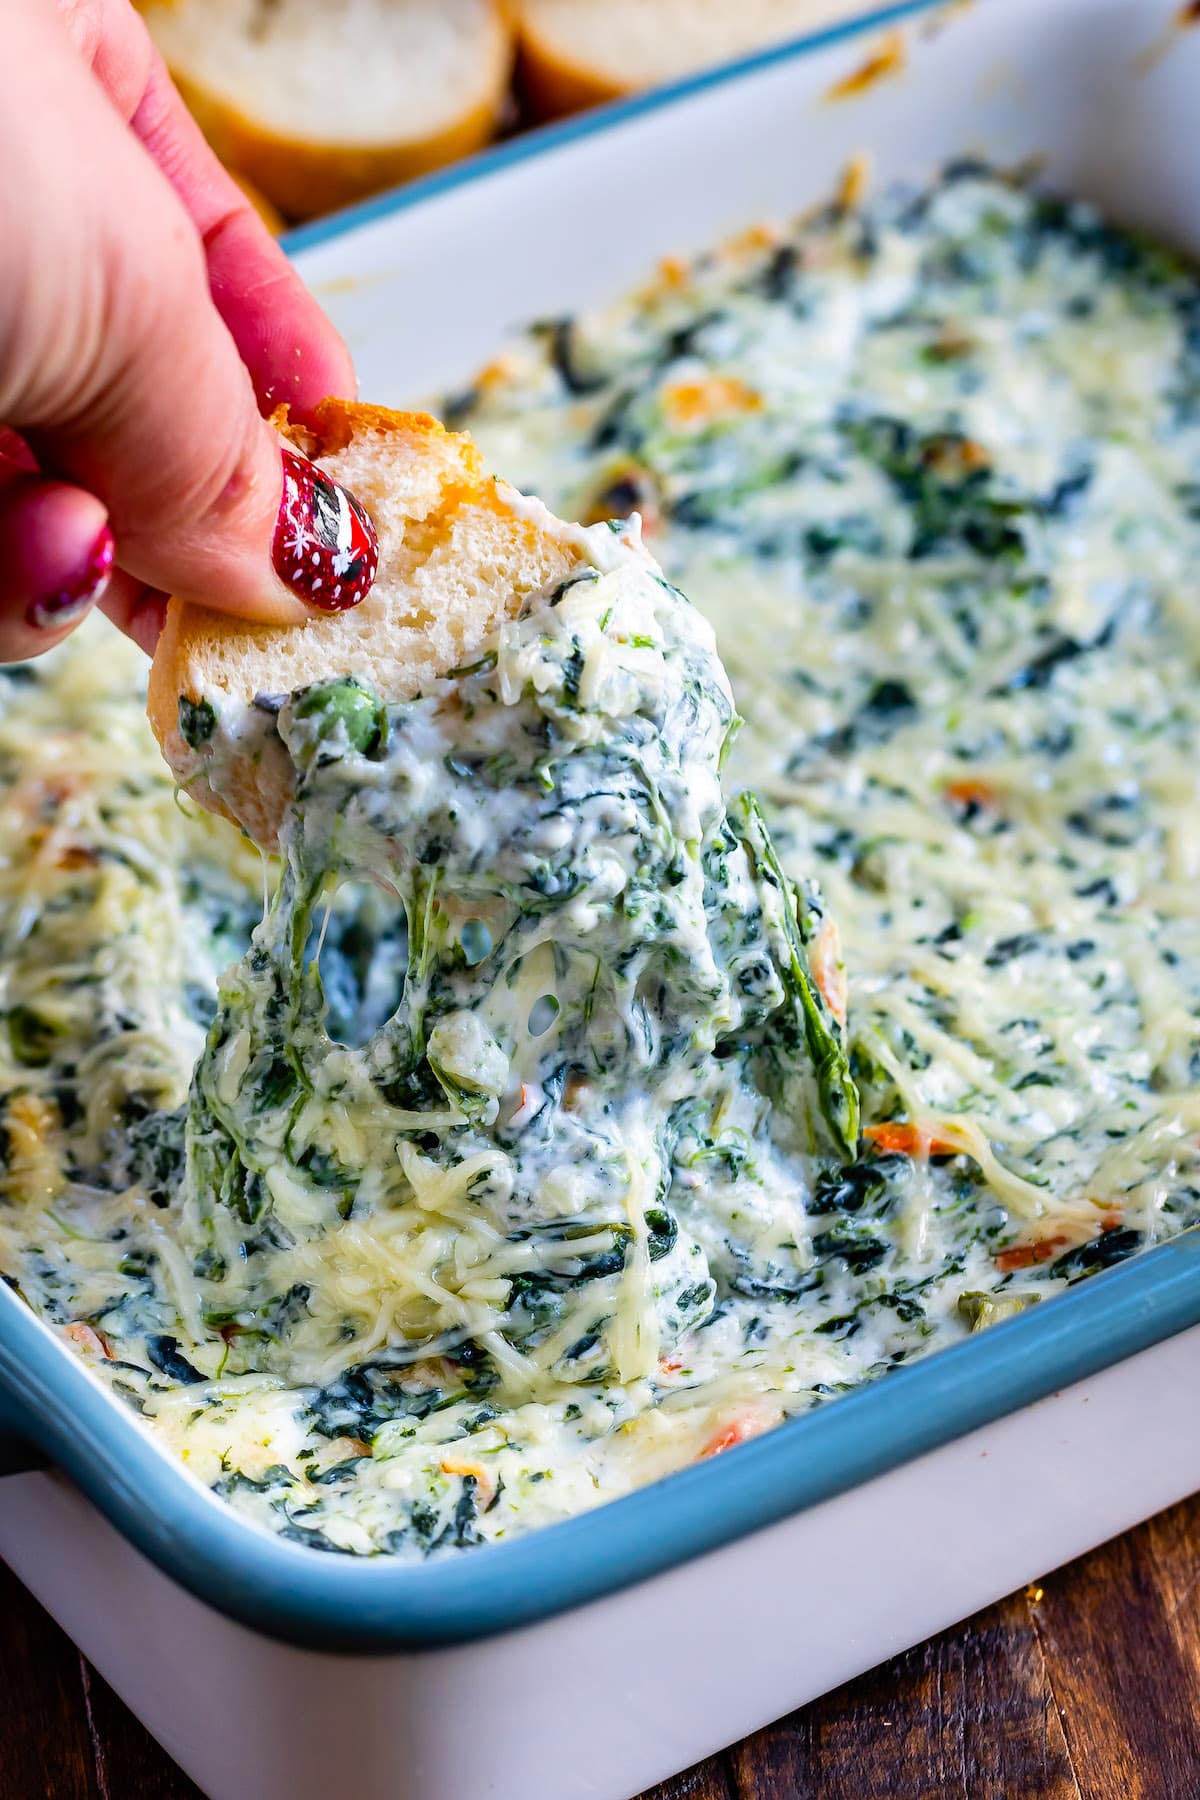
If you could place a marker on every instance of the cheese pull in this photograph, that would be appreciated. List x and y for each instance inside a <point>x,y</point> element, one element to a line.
<point>606,991</point>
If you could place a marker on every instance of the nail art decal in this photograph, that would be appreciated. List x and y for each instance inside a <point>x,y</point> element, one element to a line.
<point>325,547</point>
<point>50,612</point>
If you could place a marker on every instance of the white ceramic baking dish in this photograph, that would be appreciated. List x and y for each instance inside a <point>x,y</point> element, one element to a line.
<point>544,1669</point>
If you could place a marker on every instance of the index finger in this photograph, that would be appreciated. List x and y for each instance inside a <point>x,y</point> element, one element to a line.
<point>288,345</point>
<point>285,340</point>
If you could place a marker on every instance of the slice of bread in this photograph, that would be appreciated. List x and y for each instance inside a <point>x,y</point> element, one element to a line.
<point>577,53</point>
<point>321,102</point>
<point>458,552</point>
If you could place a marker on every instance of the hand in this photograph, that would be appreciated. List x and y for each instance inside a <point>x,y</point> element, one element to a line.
<point>146,315</point>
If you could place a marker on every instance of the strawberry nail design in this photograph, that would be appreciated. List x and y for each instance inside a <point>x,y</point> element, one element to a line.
<point>325,548</point>
<point>50,612</point>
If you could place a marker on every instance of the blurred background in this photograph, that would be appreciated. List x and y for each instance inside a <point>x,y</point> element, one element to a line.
<point>314,104</point>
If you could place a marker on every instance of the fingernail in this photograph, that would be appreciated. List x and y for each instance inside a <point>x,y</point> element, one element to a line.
<point>50,612</point>
<point>325,549</point>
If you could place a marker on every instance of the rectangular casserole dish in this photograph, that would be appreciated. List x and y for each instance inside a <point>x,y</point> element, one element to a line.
<point>540,1670</point>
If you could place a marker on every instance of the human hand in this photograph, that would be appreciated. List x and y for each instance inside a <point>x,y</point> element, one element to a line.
<point>146,315</point>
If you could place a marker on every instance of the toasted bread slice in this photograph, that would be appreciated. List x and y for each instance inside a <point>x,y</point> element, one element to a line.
<point>321,102</point>
<point>578,53</point>
<point>458,552</point>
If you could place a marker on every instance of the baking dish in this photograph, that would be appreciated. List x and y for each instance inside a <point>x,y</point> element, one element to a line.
<point>815,1551</point>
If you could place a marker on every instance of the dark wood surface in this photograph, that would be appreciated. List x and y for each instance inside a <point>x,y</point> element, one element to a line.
<point>1084,1687</point>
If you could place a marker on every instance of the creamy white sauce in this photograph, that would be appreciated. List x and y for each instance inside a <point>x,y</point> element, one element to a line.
<point>933,473</point>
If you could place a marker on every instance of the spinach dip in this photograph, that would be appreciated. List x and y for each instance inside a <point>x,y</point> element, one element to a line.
<point>532,1134</point>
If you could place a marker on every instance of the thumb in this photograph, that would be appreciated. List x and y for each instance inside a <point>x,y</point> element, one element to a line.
<point>121,374</point>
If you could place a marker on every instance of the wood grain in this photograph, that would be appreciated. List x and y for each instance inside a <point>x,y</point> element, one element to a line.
<point>45,1743</point>
<point>1085,1687</point>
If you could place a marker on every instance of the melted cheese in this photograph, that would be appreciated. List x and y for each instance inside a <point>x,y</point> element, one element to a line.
<point>599,959</point>
<point>932,470</point>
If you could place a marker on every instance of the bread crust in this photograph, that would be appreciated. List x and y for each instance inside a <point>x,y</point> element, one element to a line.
<point>456,557</point>
<point>553,85</point>
<point>304,179</point>
<point>557,76</point>
<point>270,214</point>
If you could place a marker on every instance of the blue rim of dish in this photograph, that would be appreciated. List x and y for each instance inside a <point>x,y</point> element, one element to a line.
<point>50,1402</point>
<point>335,1602</point>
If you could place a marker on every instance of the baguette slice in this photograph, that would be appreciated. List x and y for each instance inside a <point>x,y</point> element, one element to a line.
<point>458,552</point>
<point>321,102</point>
<point>578,53</point>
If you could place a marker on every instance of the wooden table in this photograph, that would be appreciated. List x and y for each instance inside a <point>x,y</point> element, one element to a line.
<point>1084,1687</point>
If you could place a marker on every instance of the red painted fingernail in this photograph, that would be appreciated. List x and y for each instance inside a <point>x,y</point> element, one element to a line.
<point>325,548</point>
<point>50,612</point>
